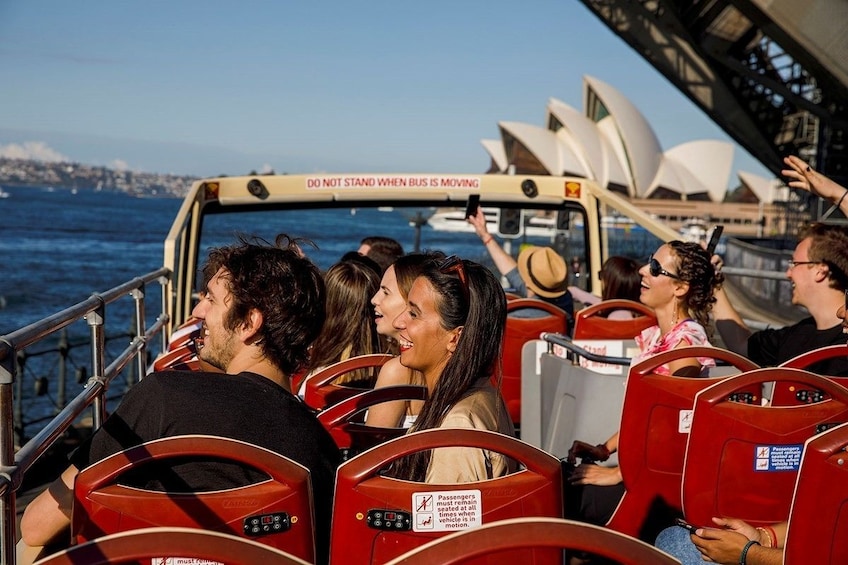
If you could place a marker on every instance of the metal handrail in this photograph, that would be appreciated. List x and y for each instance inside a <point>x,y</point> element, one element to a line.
<point>565,341</point>
<point>13,466</point>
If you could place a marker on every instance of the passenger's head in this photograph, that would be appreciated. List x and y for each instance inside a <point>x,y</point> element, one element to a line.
<point>390,300</point>
<point>826,247</point>
<point>451,331</point>
<point>681,273</point>
<point>262,295</point>
<point>383,250</point>
<point>620,278</point>
<point>543,271</point>
<point>348,330</point>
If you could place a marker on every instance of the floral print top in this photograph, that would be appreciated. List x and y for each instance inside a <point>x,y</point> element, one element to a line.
<point>651,342</point>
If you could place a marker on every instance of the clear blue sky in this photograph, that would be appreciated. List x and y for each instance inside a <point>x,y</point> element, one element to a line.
<point>216,87</point>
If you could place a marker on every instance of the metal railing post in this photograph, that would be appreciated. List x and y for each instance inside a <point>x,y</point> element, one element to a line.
<point>96,320</point>
<point>8,534</point>
<point>64,348</point>
<point>19,364</point>
<point>141,359</point>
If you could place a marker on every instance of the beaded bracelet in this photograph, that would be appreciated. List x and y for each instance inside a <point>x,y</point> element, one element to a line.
<point>745,549</point>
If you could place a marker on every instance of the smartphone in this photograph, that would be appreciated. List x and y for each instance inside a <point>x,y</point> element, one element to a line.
<point>473,204</point>
<point>711,246</point>
<point>684,524</point>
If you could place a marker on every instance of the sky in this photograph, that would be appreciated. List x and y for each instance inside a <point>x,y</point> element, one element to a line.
<point>226,87</point>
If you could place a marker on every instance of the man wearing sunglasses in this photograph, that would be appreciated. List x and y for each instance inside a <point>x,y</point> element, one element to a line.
<point>818,271</point>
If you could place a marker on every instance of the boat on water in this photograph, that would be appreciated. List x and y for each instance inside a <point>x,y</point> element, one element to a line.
<point>4,193</point>
<point>570,214</point>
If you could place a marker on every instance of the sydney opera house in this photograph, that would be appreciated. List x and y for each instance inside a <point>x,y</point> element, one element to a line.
<point>613,144</point>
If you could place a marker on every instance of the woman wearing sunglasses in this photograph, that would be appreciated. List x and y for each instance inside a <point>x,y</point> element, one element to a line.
<point>678,282</point>
<point>451,331</point>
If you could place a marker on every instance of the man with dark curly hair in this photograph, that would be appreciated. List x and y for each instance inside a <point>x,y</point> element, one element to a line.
<point>260,311</point>
<point>819,274</point>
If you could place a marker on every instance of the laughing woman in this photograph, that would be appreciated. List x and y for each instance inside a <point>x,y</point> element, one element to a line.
<point>678,283</point>
<point>451,331</point>
<point>389,301</point>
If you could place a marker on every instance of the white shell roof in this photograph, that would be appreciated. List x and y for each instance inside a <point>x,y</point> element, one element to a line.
<point>556,157</point>
<point>643,147</point>
<point>766,190</point>
<point>495,149</point>
<point>622,149</point>
<point>707,165</point>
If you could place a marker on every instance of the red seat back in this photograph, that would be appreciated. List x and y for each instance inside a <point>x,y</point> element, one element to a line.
<point>518,332</point>
<point>817,524</point>
<point>345,420</point>
<point>102,506</point>
<point>653,434</point>
<point>504,535</point>
<point>742,459</point>
<point>786,394</point>
<point>322,392</point>
<point>589,323</point>
<point>158,544</point>
<point>364,498</point>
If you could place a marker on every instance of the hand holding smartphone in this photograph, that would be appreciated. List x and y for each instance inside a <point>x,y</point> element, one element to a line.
<point>473,204</point>
<point>684,524</point>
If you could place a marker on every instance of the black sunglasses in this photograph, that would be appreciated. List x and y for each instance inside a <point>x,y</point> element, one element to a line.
<point>454,264</point>
<point>656,270</point>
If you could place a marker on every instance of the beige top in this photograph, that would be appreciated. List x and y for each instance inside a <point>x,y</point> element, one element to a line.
<point>483,409</point>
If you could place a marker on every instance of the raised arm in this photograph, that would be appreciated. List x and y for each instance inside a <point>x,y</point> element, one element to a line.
<point>731,327</point>
<point>803,176</point>
<point>503,261</point>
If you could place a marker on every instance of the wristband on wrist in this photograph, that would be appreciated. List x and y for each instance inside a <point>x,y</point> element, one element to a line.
<point>487,240</point>
<point>770,536</point>
<point>841,198</point>
<point>745,549</point>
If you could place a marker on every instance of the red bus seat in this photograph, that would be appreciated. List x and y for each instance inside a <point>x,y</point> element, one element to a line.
<point>322,392</point>
<point>786,394</point>
<point>102,506</point>
<point>345,420</point>
<point>742,459</point>
<point>818,520</point>
<point>589,323</point>
<point>518,332</point>
<point>363,495</point>
<point>653,435</point>
<point>156,544</point>
<point>504,535</point>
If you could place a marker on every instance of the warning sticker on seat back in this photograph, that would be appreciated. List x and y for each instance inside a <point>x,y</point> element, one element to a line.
<point>778,457</point>
<point>449,510</point>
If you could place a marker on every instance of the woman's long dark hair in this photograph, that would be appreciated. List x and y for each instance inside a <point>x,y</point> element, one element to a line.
<point>482,314</point>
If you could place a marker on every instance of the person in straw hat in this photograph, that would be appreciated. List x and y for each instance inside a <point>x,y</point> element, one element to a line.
<point>539,272</point>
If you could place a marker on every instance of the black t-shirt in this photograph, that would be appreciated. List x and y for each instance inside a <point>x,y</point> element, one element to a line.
<point>770,347</point>
<point>245,407</point>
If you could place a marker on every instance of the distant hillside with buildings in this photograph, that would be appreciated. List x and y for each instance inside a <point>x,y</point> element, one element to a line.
<point>20,172</point>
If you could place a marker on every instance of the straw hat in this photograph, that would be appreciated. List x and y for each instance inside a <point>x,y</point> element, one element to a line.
<point>543,271</point>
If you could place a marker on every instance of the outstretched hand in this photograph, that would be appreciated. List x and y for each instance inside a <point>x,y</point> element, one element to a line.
<point>803,176</point>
